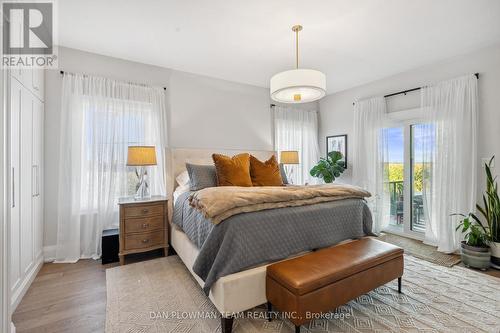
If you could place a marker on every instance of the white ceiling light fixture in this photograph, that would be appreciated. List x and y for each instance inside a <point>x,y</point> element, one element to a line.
<point>298,85</point>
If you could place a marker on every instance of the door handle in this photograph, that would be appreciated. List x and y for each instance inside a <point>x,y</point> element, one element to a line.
<point>37,180</point>
<point>13,189</point>
<point>33,180</point>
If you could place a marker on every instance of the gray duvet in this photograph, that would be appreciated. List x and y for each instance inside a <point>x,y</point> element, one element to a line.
<point>250,239</point>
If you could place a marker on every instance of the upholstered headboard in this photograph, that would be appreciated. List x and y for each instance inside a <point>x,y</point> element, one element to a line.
<point>179,156</point>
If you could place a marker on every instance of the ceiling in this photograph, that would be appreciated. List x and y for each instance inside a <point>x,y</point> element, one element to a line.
<point>352,42</point>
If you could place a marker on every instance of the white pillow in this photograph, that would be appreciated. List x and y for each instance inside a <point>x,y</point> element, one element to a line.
<point>183,179</point>
<point>179,190</point>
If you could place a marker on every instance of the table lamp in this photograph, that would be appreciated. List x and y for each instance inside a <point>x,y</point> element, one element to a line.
<point>141,157</point>
<point>287,158</point>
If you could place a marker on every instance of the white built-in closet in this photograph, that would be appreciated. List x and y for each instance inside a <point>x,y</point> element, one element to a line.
<point>26,105</point>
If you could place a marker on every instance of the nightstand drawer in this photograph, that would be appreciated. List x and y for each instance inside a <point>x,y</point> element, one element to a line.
<point>144,224</point>
<point>144,240</point>
<point>143,211</point>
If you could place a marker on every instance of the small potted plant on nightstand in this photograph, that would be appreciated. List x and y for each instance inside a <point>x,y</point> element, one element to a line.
<point>475,246</point>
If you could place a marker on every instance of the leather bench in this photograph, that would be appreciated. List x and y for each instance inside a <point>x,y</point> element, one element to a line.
<point>319,282</point>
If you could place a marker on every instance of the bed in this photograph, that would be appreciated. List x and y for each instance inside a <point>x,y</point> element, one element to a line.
<point>215,254</point>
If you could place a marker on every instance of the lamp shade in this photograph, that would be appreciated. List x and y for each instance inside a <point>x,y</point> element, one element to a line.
<point>289,157</point>
<point>141,155</point>
<point>298,86</point>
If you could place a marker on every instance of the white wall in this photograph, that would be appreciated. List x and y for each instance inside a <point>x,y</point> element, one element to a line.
<point>336,110</point>
<point>212,113</point>
<point>204,113</point>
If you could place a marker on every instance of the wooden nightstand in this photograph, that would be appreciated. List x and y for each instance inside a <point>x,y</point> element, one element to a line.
<point>143,225</point>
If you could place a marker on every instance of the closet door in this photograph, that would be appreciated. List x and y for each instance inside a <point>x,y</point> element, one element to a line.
<point>16,102</point>
<point>26,188</point>
<point>37,168</point>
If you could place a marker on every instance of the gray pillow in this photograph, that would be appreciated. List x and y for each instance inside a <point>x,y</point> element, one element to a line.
<point>201,176</point>
<point>283,174</point>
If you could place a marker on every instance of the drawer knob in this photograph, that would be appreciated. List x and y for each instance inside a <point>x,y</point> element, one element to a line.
<point>145,210</point>
<point>145,225</point>
<point>145,241</point>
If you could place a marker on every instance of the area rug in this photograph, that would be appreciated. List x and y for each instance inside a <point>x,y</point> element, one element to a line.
<point>418,249</point>
<point>161,296</point>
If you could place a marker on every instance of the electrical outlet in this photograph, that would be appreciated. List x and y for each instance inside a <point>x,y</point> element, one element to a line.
<point>486,161</point>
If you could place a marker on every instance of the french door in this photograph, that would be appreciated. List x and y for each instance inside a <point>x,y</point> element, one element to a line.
<point>409,147</point>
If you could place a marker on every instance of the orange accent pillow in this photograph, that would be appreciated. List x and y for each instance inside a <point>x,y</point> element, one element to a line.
<point>265,173</point>
<point>232,171</point>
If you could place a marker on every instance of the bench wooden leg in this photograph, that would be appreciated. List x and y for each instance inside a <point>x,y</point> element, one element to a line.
<point>226,324</point>
<point>297,329</point>
<point>269,311</point>
<point>399,284</point>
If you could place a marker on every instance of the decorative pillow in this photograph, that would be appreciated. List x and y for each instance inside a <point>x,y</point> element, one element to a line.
<point>201,176</point>
<point>283,174</point>
<point>265,173</point>
<point>232,171</point>
<point>183,178</point>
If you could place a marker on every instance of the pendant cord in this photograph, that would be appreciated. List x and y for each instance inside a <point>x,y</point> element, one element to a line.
<point>296,29</point>
<point>297,49</point>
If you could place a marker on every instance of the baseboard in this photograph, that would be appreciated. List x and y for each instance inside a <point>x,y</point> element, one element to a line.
<point>18,295</point>
<point>49,253</point>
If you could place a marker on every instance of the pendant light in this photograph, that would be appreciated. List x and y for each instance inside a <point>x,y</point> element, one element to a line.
<point>298,85</point>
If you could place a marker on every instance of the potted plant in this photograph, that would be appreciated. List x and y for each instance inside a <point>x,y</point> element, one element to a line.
<point>475,246</point>
<point>329,168</point>
<point>491,213</point>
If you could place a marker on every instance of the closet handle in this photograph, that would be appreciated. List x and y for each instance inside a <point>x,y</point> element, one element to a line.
<point>37,180</point>
<point>13,189</point>
<point>33,179</point>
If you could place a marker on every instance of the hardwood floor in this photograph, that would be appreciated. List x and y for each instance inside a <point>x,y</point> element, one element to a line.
<point>72,298</point>
<point>65,298</point>
<point>68,298</point>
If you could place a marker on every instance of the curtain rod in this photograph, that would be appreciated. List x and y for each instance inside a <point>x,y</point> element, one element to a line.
<point>410,90</point>
<point>62,73</point>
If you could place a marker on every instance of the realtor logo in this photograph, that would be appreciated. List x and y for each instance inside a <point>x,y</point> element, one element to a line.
<point>28,34</point>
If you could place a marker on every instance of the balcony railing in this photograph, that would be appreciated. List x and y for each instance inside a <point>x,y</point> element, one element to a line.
<point>396,191</point>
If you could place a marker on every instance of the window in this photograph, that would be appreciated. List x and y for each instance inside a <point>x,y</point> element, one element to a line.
<point>296,129</point>
<point>394,168</point>
<point>109,127</point>
<point>107,133</point>
<point>410,143</point>
<point>421,143</point>
<point>100,119</point>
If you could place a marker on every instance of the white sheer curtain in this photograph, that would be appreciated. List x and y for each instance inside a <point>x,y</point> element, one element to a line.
<point>100,118</point>
<point>450,186</point>
<point>296,129</point>
<point>370,152</point>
